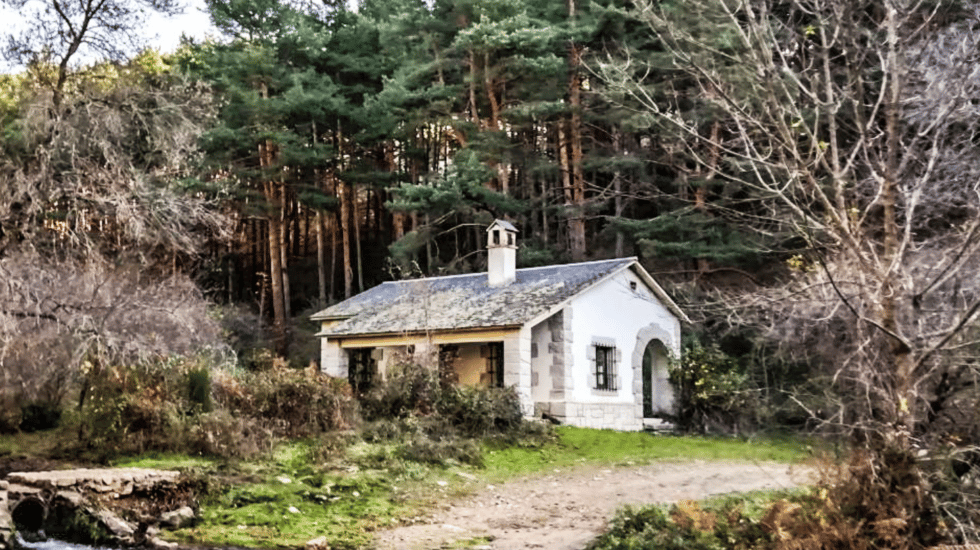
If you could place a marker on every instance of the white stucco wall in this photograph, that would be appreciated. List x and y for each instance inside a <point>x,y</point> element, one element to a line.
<point>614,311</point>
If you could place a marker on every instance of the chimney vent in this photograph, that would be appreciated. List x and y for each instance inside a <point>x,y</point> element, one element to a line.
<point>501,253</point>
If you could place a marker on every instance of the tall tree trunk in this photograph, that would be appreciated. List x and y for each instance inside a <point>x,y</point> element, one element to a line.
<point>357,239</point>
<point>576,220</point>
<point>284,252</point>
<point>321,259</point>
<point>619,204</point>
<point>344,196</point>
<point>900,351</point>
<point>474,111</point>
<point>273,196</point>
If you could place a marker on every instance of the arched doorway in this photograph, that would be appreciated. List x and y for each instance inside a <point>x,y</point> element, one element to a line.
<point>658,396</point>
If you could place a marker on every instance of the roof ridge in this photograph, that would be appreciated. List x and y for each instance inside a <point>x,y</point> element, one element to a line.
<point>478,273</point>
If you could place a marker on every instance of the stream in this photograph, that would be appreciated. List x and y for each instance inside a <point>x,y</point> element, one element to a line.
<point>52,544</point>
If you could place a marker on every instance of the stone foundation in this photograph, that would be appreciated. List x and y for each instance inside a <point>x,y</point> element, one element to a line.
<point>611,416</point>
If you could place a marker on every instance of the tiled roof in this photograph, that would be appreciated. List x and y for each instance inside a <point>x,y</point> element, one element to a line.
<point>463,301</point>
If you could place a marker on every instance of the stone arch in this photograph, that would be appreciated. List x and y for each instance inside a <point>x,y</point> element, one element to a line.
<point>29,514</point>
<point>650,334</point>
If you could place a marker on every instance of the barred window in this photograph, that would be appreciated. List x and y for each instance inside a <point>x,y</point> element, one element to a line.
<point>605,367</point>
<point>493,376</point>
<point>361,370</point>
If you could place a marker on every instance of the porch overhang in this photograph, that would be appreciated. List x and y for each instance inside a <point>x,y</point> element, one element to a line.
<point>455,336</point>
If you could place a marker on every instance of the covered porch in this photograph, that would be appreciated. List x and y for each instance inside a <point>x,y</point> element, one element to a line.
<point>486,358</point>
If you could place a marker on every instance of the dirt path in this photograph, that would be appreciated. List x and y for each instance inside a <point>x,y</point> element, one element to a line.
<point>564,510</point>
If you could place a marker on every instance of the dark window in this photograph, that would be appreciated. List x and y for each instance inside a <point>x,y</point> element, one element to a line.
<point>495,364</point>
<point>496,236</point>
<point>361,370</point>
<point>605,368</point>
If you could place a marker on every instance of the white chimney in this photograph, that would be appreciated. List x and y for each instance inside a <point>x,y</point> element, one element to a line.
<point>501,253</point>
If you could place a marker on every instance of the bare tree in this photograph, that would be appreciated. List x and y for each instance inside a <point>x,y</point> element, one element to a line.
<point>57,316</point>
<point>62,30</point>
<point>852,124</point>
<point>103,173</point>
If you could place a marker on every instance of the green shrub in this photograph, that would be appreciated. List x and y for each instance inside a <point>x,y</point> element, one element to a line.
<point>441,450</point>
<point>478,412</point>
<point>296,403</point>
<point>199,389</point>
<point>133,408</point>
<point>181,405</point>
<point>440,422</point>
<point>9,418</point>
<point>408,389</point>
<point>727,523</point>
<point>714,393</point>
<point>39,416</point>
<point>383,430</point>
<point>224,433</point>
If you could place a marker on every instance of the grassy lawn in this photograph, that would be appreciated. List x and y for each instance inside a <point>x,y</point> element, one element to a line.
<point>297,494</point>
<point>577,446</point>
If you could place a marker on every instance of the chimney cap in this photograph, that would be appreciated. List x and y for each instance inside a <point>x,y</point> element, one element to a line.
<point>503,224</point>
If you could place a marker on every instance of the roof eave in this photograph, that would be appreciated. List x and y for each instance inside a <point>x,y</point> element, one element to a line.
<point>660,292</point>
<point>323,317</point>
<point>413,333</point>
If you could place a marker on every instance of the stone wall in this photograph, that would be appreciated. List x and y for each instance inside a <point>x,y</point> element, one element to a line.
<point>611,416</point>
<point>6,524</point>
<point>56,502</point>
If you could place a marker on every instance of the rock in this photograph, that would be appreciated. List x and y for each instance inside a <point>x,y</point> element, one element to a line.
<point>466,475</point>
<point>121,481</point>
<point>293,510</point>
<point>69,499</point>
<point>319,543</point>
<point>6,524</point>
<point>121,530</point>
<point>159,544</point>
<point>178,518</point>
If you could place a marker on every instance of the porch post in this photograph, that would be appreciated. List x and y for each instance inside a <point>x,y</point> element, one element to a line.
<point>517,367</point>
<point>333,358</point>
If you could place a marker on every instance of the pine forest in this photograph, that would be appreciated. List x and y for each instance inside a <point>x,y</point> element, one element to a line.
<point>802,177</point>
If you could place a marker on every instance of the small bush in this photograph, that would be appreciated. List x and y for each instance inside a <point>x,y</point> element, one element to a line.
<point>714,393</point>
<point>199,389</point>
<point>132,408</point>
<point>442,450</point>
<point>9,418</point>
<point>726,523</point>
<point>383,430</point>
<point>39,416</point>
<point>224,433</point>
<point>407,390</point>
<point>183,405</point>
<point>478,412</point>
<point>296,403</point>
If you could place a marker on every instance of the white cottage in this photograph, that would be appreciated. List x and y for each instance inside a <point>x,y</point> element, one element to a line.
<point>584,343</point>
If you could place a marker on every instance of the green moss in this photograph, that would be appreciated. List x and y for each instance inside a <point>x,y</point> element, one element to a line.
<point>282,511</point>
<point>167,461</point>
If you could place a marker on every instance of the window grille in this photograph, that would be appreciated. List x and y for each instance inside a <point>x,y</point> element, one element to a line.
<point>362,370</point>
<point>605,368</point>
<point>495,363</point>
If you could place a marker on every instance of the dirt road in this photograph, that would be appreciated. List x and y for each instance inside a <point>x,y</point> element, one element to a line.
<point>564,510</point>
